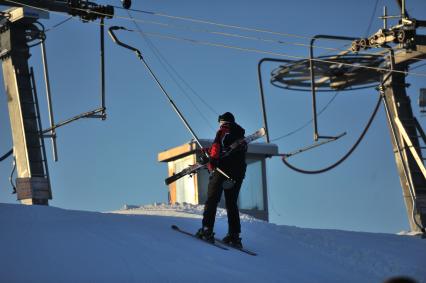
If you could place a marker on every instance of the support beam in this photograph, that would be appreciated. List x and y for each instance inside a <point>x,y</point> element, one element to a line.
<point>416,153</point>
<point>399,105</point>
<point>32,184</point>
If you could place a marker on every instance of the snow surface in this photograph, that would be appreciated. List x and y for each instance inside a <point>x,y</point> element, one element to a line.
<point>136,244</point>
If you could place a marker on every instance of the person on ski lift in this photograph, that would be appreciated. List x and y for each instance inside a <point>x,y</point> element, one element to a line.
<point>233,165</point>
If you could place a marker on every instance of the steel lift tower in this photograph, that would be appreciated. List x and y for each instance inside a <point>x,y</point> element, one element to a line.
<point>18,27</point>
<point>400,46</point>
<point>407,136</point>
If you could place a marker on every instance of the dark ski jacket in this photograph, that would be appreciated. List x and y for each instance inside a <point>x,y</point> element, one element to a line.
<point>234,164</point>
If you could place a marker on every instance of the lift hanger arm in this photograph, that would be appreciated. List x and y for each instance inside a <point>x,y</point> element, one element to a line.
<point>185,122</point>
<point>117,41</point>
<point>306,148</point>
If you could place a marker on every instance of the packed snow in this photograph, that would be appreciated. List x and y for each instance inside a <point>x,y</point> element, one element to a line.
<point>136,244</point>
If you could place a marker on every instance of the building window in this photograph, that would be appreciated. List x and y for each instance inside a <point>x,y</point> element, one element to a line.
<point>185,187</point>
<point>251,193</point>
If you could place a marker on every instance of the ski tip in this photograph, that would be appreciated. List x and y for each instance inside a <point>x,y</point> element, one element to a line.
<point>174,227</point>
<point>168,180</point>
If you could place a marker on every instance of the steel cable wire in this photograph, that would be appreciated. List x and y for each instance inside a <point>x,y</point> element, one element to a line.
<point>58,24</point>
<point>162,59</point>
<point>244,28</point>
<point>211,32</point>
<point>6,155</point>
<point>220,45</point>
<point>231,34</point>
<point>207,43</point>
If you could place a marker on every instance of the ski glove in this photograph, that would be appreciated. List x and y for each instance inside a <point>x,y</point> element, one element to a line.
<point>212,164</point>
<point>204,159</point>
<point>205,155</point>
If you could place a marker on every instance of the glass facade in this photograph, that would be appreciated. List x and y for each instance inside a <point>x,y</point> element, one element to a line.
<point>185,187</point>
<point>251,193</point>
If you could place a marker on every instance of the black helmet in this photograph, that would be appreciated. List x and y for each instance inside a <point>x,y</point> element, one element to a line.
<point>227,117</point>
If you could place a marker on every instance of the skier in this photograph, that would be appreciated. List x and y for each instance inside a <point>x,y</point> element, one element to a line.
<point>234,165</point>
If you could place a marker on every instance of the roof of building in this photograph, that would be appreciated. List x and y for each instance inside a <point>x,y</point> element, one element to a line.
<point>254,149</point>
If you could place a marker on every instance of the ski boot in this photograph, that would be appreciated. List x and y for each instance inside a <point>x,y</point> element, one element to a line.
<point>206,234</point>
<point>233,239</point>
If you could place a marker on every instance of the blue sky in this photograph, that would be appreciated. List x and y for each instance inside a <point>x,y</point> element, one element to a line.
<point>106,164</point>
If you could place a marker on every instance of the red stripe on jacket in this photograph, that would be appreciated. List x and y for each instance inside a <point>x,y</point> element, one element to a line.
<point>217,145</point>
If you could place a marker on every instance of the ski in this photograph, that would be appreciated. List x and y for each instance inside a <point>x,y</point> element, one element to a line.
<point>187,171</point>
<point>236,248</point>
<point>176,228</point>
<point>192,169</point>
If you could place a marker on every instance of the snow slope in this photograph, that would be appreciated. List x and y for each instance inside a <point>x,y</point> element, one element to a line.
<point>136,244</point>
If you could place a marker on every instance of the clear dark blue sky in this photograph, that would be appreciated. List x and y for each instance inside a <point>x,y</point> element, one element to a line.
<point>106,164</point>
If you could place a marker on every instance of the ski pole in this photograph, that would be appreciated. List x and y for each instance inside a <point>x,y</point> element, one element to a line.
<point>139,55</point>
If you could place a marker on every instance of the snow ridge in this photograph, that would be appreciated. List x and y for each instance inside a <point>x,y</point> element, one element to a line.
<point>136,244</point>
<point>177,209</point>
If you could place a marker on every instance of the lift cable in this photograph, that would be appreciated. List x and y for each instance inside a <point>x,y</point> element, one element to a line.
<point>166,65</point>
<point>346,155</point>
<point>220,45</point>
<point>193,29</point>
<point>234,35</point>
<point>199,42</point>
<point>214,32</point>
<point>199,21</point>
<point>239,27</point>
<point>228,34</point>
<point>58,24</point>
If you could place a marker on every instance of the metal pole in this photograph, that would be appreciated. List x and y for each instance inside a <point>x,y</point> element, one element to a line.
<point>139,54</point>
<point>262,101</point>
<point>262,96</point>
<point>311,67</point>
<point>89,114</point>
<point>172,103</point>
<point>314,102</point>
<point>180,115</point>
<point>49,101</point>
<point>102,53</point>
<point>385,19</point>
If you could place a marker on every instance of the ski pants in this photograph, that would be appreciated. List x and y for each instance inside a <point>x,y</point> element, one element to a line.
<point>214,193</point>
